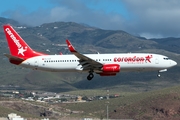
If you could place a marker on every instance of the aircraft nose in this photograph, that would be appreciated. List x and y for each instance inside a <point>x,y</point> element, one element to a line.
<point>173,63</point>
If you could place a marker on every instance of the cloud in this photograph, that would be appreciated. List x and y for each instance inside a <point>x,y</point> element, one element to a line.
<point>147,18</point>
<point>158,18</point>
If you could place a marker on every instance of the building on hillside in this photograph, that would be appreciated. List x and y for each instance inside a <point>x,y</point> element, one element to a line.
<point>14,116</point>
<point>79,98</point>
<point>2,118</point>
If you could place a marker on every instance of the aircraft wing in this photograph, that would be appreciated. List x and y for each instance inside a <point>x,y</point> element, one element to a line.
<point>86,62</point>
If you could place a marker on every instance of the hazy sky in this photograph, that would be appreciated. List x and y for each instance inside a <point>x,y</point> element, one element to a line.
<point>149,18</point>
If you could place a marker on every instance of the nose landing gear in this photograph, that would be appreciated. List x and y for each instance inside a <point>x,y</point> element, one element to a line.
<point>160,71</point>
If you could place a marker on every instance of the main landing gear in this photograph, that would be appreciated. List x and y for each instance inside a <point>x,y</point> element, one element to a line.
<point>90,76</point>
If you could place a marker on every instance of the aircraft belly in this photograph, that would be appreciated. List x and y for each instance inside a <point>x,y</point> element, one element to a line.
<point>139,67</point>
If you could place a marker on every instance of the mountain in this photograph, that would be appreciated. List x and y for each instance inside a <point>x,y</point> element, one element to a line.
<point>8,21</point>
<point>112,40</point>
<point>50,38</point>
<point>170,44</point>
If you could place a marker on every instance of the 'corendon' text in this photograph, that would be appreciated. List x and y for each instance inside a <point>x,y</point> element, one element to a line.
<point>129,59</point>
<point>13,38</point>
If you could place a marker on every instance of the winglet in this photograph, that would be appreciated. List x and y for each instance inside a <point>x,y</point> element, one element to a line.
<point>71,48</point>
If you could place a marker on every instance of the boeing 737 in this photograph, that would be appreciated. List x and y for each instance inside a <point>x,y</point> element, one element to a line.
<point>102,64</point>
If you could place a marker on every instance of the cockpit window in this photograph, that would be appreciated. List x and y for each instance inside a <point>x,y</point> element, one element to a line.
<point>166,58</point>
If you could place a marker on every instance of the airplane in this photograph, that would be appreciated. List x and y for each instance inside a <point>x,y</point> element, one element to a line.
<point>102,64</point>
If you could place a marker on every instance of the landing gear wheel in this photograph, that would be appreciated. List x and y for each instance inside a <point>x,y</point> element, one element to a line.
<point>90,76</point>
<point>159,75</point>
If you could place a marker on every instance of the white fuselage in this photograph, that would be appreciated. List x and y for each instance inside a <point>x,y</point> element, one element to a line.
<point>127,62</point>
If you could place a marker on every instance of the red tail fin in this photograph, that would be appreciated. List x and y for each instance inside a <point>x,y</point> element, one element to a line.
<point>17,46</point>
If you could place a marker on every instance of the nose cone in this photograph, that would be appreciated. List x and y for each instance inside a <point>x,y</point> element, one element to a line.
<point>173,63</point>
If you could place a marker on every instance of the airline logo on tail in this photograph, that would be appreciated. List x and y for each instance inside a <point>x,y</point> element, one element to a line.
<point>21,49</point>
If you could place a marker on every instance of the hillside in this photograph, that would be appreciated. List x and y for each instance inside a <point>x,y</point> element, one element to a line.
<point>50,38</point>
<point>155,105</point>
<point>170,44</point>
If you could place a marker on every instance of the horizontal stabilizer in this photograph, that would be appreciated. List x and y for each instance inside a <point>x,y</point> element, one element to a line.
<point>14,59</point>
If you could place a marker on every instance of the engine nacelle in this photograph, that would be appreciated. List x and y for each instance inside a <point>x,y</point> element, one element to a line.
<point>111,68</point>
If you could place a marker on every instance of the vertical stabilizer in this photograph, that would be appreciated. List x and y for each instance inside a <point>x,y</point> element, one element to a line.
<point>17,46</point>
